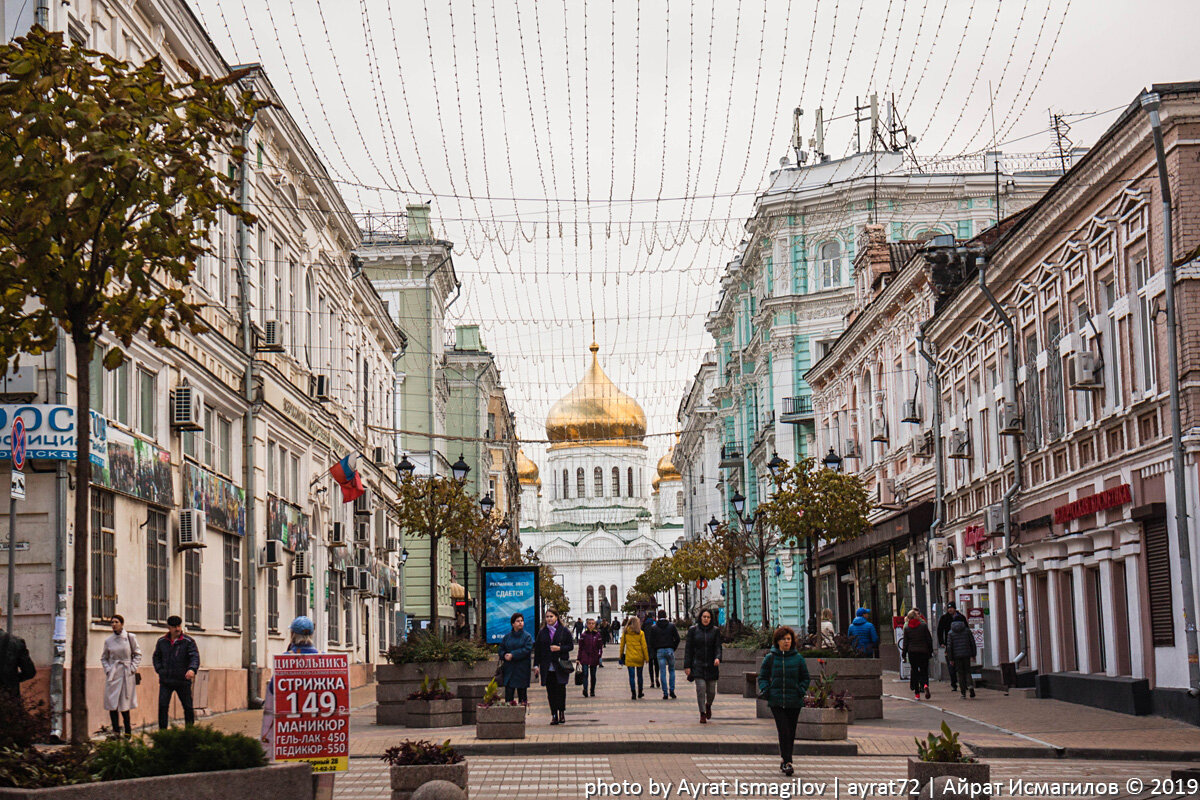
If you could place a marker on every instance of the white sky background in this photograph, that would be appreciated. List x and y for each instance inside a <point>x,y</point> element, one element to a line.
<point>634,136</point>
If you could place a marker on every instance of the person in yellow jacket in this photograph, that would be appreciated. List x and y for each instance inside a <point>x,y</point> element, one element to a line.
<point>634,654</point>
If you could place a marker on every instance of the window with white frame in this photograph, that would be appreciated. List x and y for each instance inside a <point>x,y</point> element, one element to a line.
<point>157,566</point>
<point>1146,361</point>
<point>829,264</point>
<point>120,379</point>
<point>1110,345</point>
<point>147,402</point>
<point>232,584</point>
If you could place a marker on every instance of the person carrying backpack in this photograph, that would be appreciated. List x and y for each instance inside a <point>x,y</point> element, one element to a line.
<point>863,632</point>
<point>960,644</point>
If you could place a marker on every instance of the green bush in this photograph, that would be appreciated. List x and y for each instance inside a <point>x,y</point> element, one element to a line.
<point>119,759</point>
<point>26,722</point>
<point>752,638</point>
<point>427,646</point>
<point>413,753</point>
<point>35,769</point>
<point>201,749</point>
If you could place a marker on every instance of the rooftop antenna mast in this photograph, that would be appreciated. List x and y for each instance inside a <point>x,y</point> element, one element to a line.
<point>1060,126</point>
<point>798,137</point>
<point>817,143</point>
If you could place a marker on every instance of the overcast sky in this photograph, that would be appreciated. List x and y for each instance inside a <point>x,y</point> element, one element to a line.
<point>598,160</point>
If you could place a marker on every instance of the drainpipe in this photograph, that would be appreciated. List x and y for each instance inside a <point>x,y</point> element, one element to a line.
<point>58,667</point>
<point>1007,322</point>
<point>250,544</point>
<point>433,545</point>
<point>939,492</point>
<point>41,14</point>
<point>1151,103</point>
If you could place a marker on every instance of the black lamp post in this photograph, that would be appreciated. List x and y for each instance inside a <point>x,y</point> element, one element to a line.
<point>713,525</point>
<point>487,504</point>
<point>776,465</point>
<point>529,554</point>
<point>405,467</point>
<point>503,528</point>
<point>460,469</point>
<point>832,461</point>
<point>739,503</point>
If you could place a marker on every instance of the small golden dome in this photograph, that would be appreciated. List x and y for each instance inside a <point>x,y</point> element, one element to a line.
<point>527,471</point>
<point>654,484</point>
<point>595,412</point>
<point>667,470</point>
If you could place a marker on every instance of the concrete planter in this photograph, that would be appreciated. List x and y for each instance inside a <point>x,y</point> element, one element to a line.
<point>279,782</point>
<point>433,713</point>
<point>861,677</point>
<point>925,771</point>
<point>500,722</point>
<point>735,663</point>
<point>395,682</point>
<point>822,724</point>
<point>407,779</point>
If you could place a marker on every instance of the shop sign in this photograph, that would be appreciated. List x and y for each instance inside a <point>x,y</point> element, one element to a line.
<point>1085,506</point>
<point>975,536</point>
<point>296,414</point>
<point>50,432</point>
<point>975,623</point>
<point>1037,522</point>
<point>312,710</point>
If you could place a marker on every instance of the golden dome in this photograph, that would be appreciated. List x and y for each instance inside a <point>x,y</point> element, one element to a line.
<point>595,412</point>
<point>527,471</point>
<point>667,470</point>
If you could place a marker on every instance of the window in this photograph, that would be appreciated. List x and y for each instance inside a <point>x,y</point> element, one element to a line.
<point>191,588</point>
<point>156,566</point>
<point>96,377</point>
<point>591,600</point>
<point>104,556</point>
<point>224,447</point>
<point>1033,396</point>
<point>383,627</point>
<point>566,487</point>
<point>491,425</point>
<point>210,436</point>
<point>829,264</point>
<point>332,600</point>
<point>598,481</point>
<point>616,481</point>
<point>1055,394</point>
<point>1158,578</point>
<point>348,608</point>
<point>294,474</point>
<point>580,484</point>
<point>1145,323</point>
<point>273,599</point>
<point>612,594</point>
<point>146,401</point>
<point>121,379</point>
<point>679,504</point>
<point>300,596</point>
<point>233,582</point>
<point>629,482</point>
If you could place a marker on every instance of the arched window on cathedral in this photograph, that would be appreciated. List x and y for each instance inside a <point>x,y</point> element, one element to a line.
<point>679,504</point>
<point>598,481</point>
<point>566,484</point>
<point>580,485</point>
<point>612,590</point>
<point>591,600</point>
<point>629,483</point>
<point>616,482</point>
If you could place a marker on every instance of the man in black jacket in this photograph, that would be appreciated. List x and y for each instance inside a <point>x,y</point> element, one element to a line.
<point>652,646</point>
<point>176,660</point>
<point>943,629</point>
<point>666,640</point>
<point>16,666</point>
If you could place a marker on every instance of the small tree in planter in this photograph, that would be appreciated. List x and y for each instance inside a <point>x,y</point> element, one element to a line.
<point>413,763</point>
<point>826,711</point>
<point>497,719</point>
<point>433,706</point>
<point>943,756</point>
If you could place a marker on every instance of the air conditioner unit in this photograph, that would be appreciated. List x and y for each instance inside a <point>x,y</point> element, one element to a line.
<point>1084,372</point>
<point>20,385</point>
<point>911,412</point>
<point>373,586</point>
<point>993,520</point>
<point>923,444</point>
<point>879,430</point>
<point>392,544</point>
<point>192,527</point>
<point>271,554</point>
<point>272,340</point>
<point>301,565</point>
<point>364,580</point>
<point>350,578</point>
<point>851,449</point>
<point>187,408</point>
<point>337,535</point>
<point>939,553</point>
<point>362,555</point>
<point>392,595</point>
<point>321,388</point>
<point>380,456</point>
<point>362,533</point>
<point>1008,418</point>
<point>364,503</point>
<point>958,445</point>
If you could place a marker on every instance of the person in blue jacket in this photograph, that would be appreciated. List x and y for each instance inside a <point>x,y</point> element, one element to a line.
<point>516,650</point>
<point>300,641</point>
<point>863,632</point>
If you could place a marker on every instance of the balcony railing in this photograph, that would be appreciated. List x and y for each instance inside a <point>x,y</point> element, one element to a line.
<point>731,455</point>
<point>389,227</point>
<point>797,409</point>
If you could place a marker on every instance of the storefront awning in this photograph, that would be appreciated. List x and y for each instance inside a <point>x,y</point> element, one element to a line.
<point>902,525</point>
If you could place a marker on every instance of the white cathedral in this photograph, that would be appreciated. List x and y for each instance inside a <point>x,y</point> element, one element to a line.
<point>602,522</point>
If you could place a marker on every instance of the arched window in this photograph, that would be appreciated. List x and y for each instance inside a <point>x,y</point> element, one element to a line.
<point>591,600</point>
<point>598,481</point>
<point>679,504</point>
<point>580,485</point>
<point>629,483</point>
<point>616,487</point>
<point>566,484</point>
<point>612,590</point>
<point>829,264</point>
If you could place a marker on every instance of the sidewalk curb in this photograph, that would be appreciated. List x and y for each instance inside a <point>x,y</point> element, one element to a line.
<point>520,747</point>
<point>1082,753</point>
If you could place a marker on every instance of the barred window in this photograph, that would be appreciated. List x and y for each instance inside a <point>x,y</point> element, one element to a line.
<point>333,599</point>
<point>191,588</point>
<point>104,556</point>
<point>273,599</point>
<point>300,596</point>
<point>629,482</point>
<point>157,563</point>
<point>383,626</point>
<point>580,484</point>
<point>598,480</point>
<point>616,481</point>
<point>233,582</point>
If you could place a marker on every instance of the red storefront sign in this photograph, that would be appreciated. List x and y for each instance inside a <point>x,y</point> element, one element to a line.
<point>312,710</point>
<point>974,536</point>
<point>1084,506</point>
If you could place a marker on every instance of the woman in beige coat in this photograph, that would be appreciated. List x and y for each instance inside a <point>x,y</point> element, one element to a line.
<point>120,659</point>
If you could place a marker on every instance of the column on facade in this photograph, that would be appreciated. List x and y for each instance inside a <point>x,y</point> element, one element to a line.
<point>1013,617</point>
<point>1137,662</point>
<point>994,656</point>
<point>1056,644</point>
<point>1033,614</point>
<point>1107,601</point>
<point>1083,655</point>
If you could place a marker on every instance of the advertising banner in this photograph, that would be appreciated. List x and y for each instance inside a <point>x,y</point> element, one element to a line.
<point>312,710</point>
<point>50,432</point>
<point>137,468</point>
<point>223,502</point>
<point>287,523</point>
<point>507,591</point>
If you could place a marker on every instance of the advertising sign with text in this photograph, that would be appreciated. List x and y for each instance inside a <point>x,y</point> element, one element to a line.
<point>507,591</point>
<point>312,710</point>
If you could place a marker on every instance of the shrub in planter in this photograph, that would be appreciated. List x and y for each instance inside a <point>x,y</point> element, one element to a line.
<point>826,712</point>
<point>119,759</point>
<point>433,706</point>
<point>199,748</point>
<point>26,722</point>
<point>413,763</point>
<point>427,646</point>
<point>497,719</point>
<point>942,756</point>
<point>28,768</point>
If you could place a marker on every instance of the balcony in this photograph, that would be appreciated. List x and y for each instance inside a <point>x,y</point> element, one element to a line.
<point>797,409</point>
<point>731,455</point>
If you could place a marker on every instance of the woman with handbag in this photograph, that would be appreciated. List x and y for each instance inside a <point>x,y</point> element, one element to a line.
<point>591,649</point>
<point>515,650</point>
<point>702,661</point>
<point>783,682</point>
<point>120,660</point>
<point>552,659</point>
<point>634,655</point>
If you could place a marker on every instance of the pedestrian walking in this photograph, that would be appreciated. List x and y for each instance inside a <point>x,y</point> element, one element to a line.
<point>960,643</point>
<point>828,631</point>
<point>176,660</point>
<point>651,632</point>
<point>615,631</point>
<point>783,682</point>
<point>16,666</point>
<point>917,649</point>
<point>634,655</point>
<point>943,630</point>
<point>578,627</point>
<point>862,631</point>
<point>666,640</point>
<point>120,659</point>
<point>702,661</point>
<point>591,649</point>
<point>300,641</point>
<point>516,654</point>
<point>605,631</point>
<point>552,659</point>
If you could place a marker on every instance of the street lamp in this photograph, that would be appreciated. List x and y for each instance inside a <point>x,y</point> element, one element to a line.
<point>460,469</point>
<point>487,504</point>
<point>503,528</point>
<point>832,461</point>
<point>403,556</point>
<point>713,525</point>
<point>405,467</point>
<point>776,465</point>
<point>739,502</point>
<point>529,554</point>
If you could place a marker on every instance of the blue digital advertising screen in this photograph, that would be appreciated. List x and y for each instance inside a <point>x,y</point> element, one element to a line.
<point>507,591</point>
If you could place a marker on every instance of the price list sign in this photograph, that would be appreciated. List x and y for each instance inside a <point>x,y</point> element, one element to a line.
<point>312,710</point>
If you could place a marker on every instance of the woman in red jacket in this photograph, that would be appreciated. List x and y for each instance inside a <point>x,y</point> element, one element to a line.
<point>917,647</point>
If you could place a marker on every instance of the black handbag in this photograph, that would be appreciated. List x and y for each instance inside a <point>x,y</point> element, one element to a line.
<point>579,675</point>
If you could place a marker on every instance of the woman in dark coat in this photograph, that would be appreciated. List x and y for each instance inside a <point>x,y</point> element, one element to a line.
<point>515,650</point>
<point>591,650</point>
<point>552,659</point>
<point>702,661</point>
<point>783,682</point>
<point>917,648</point>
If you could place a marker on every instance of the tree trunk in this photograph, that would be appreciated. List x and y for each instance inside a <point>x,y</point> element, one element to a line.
<point>80,614</point>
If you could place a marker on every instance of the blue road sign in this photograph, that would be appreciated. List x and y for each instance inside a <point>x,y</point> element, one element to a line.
<point>18,443</point>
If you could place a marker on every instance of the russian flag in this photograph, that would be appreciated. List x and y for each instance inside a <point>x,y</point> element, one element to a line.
<point>348,478</point>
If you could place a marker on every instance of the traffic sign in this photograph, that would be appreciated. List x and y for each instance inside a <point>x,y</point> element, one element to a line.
<point>702,583</point>
<point>18,485</point>
<point>18,443</point>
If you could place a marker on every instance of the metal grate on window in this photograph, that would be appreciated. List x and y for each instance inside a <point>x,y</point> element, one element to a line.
<point>1158,580</point>
<point>156,566</point>
<point>104,556</point>
<point>233,582</point>
<point>191,588</point>
<point>273,599</point>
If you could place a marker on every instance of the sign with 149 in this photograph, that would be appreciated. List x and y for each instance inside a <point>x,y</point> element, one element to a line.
<point>312,710</point>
